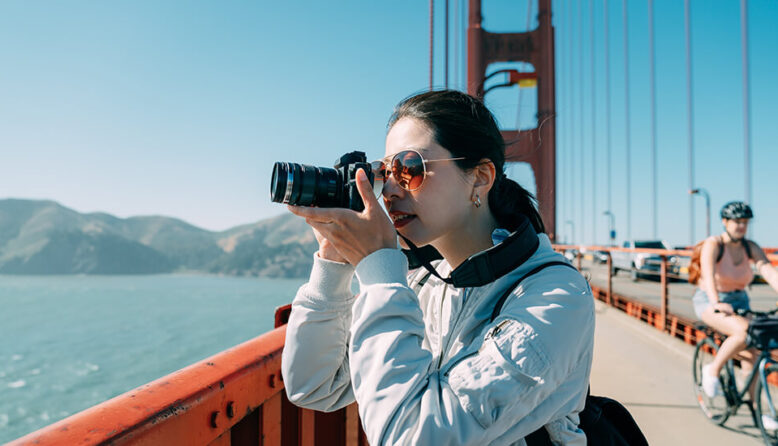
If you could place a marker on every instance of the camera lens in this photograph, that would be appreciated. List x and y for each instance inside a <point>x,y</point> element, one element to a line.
<point>305,185</point>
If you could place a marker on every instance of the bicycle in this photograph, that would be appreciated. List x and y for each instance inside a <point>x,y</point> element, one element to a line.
<point>762,335</point>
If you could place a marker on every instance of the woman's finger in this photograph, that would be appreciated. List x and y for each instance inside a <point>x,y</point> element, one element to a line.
<point>322,215</point>
<point>366,191</point>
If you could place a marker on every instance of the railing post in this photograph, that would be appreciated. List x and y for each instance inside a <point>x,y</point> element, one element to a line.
<point>609,263</point>
<point>663,284</point>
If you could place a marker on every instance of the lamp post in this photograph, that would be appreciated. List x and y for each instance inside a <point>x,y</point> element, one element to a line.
<point>704,193</point>
<point>572,229</point>
<point>611,226</point>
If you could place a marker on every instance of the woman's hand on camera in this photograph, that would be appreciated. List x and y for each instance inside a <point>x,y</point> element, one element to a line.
<point>354,235</point>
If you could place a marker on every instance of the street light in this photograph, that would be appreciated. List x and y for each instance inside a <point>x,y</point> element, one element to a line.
<point>572,229</point>
<point>704,193</point>
<point>611,226</point>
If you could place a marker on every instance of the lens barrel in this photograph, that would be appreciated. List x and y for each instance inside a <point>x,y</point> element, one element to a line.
<point>306,185</point>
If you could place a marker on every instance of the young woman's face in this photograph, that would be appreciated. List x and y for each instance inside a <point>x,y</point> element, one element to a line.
<point>443,202</point>
<point>736,227</point>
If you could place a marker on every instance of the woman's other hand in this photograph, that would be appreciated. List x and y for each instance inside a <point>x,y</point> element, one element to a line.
<point>722,307</point>
<point>326,250</point>
<point>352,235</point>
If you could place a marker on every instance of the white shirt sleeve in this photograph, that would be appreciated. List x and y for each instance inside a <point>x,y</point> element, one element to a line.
<point>314,362</point>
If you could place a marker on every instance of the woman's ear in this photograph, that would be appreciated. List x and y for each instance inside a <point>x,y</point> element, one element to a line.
<point>484,174</point>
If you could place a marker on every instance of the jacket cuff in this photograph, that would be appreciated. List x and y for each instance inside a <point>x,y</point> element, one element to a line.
<point>330,280</point>
<point>383,266</point>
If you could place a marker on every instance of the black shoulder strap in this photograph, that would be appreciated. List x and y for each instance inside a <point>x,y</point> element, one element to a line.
<point>721,250</point>
<point>747,246</point>
<point>500,303</point>
<point>745,243</point>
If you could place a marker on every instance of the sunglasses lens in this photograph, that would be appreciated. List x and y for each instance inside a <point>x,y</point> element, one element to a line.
<point>379,170</point>
<point>408,170</point>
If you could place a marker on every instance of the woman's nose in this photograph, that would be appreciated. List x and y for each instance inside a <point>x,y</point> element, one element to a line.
<point>391,188</point>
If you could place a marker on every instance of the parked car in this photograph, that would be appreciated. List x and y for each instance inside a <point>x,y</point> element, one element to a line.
<point>643,264</point>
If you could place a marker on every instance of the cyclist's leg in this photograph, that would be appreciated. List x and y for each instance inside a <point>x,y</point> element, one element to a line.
<point>735,327</point>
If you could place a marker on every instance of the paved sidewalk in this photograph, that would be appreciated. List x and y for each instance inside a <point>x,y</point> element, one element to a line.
<point>650,373</point>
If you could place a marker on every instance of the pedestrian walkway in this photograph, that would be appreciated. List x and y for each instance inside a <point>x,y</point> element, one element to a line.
<point>650,373</point>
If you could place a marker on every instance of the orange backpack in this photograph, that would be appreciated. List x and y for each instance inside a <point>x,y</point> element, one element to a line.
<point>694,266</point>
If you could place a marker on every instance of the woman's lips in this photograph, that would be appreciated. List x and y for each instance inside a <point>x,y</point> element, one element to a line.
<point>400,218</point>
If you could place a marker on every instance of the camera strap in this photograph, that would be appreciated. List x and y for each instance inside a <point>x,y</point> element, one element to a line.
<point>486,266</point>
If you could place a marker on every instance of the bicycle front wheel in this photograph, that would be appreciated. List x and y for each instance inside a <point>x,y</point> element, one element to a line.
<point>715,409</point>
<point>764,406</point>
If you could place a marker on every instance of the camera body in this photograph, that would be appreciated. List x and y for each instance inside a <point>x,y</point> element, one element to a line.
<point>306,185</point>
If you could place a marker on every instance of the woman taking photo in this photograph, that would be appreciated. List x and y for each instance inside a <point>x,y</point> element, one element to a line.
<point>435,358</point>
<point>725,272</point>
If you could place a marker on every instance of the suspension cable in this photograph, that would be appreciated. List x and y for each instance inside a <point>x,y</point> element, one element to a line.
<point>652,81</point>
<point>608,107</point>
<point>432,38</point>
<point>445,58</point>
<point>746,97</point>
<point>626,119</point>
<point>594,126</point>
<point>689,115</point>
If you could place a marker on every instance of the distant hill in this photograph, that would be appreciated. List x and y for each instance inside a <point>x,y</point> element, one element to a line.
<point>44,237</point>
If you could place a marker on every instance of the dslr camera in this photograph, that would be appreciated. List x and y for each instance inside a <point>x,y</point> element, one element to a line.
<point>324,187</point>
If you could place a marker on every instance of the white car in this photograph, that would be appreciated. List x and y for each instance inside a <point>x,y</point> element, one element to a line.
<point>642,264</point>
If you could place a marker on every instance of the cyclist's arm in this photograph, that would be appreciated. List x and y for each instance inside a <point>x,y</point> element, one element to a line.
<point>707,264</point>
<point>766,270</point>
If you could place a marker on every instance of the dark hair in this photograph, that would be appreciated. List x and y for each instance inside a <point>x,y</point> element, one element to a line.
<point>465,127</point>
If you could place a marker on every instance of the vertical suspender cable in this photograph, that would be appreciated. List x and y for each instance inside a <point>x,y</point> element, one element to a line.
<point>607,106</point>
<point>746,97</point>
<point>652,75</point>
<point>432,30</point>
<point>626,120</point>
<point>562,118</point>
<point>581,116</point>
<point>689,115</point>
<point>463,49</point>
<point>571,120</point>
<point>445,57</point>
<point>594,124</point>
<point>457,34</point>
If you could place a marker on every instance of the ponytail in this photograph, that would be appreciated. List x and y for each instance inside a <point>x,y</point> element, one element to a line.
<point>508,200</point>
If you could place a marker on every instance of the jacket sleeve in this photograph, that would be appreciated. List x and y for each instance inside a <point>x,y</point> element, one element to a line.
<point>404,398</point>
<point>314,362</point>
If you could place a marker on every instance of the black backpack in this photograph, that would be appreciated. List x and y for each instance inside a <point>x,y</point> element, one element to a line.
<point>605,421</point>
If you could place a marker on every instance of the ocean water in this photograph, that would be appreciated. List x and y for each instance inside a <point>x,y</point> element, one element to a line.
<point>70,342</point>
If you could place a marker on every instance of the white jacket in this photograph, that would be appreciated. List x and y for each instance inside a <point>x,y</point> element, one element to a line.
<point>430,369</point>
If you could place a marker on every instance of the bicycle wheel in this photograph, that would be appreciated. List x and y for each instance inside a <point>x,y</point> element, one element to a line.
<point>716,408</point>
<point>765,398</point>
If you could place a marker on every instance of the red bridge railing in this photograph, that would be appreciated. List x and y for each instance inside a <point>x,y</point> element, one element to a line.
<point>233,398</point>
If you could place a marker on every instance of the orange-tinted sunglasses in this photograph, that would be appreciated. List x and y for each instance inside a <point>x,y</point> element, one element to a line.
<point>408,167</point>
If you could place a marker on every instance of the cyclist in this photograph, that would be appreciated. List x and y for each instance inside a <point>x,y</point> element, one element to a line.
<point>725,264</point>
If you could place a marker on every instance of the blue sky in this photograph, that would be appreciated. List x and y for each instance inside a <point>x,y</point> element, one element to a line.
<point>180,108</point>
